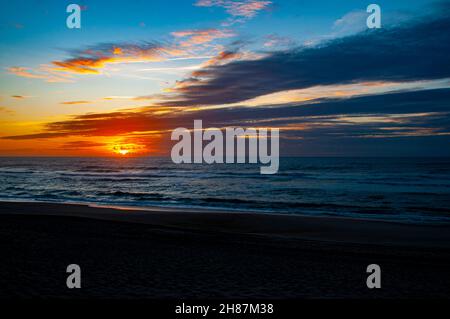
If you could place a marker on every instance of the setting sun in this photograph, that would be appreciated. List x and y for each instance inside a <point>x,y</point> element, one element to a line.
<point>127,149</point>
<point>122,149</point>
<point>123,152</point>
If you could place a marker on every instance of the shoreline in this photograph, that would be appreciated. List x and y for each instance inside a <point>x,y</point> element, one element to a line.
<point>296,227</point>
<point>227,210</point>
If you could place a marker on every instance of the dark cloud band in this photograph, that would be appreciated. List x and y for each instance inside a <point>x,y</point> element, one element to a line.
<point>417,50</point>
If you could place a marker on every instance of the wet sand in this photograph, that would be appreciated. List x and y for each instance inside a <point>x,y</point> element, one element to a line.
<point>168,253</point>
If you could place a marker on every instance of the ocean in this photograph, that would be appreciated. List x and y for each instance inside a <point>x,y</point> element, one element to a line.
<point>411,190</point>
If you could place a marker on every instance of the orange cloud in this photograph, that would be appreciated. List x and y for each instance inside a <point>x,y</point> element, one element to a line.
<point>74,102</point>
<point>81,144</point>
<point>6,110</point>
<point>93,59</point>
<point>44,73</point>
<point>81,65</point>
<point>118,97</point>
<point>196,37</point>
<point>24,72</point>
<point>219,59</point>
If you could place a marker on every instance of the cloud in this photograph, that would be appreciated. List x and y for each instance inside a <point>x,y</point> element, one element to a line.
<point>196,37</point>
<point>354,21</point>
<point>81,144</point>
<point>401,114</point>
<point>402,123</point>
<point>24,72</point>
<point>44,72</point>
<point>224,56</point>
<point>239,8</point>
<point>417,50</point>
<point>185,44</point>
<point>273,40</point>
<point>221,58</point>
<point>34,136</point>
<point>92,59</point>
<point>6,110</point>
<point>19,97</point>
<point>74,102</point>
<point>119,97</point>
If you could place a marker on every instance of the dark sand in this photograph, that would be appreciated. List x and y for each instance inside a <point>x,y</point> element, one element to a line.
<point>162,253</point>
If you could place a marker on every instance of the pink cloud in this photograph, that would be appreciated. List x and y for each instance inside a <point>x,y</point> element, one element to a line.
<point>240,8</point>
<point>196,37</point>
<point>44,72</point>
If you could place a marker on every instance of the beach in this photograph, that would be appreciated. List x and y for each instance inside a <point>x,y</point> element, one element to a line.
<point>192,253</point>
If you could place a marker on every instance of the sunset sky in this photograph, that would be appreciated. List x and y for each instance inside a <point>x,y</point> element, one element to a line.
<point>136,70</point>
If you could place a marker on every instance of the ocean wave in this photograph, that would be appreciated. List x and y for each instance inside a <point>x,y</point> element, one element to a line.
<point>399,189</point>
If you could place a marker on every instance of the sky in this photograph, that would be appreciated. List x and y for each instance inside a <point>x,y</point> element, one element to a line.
<point>137,70</point>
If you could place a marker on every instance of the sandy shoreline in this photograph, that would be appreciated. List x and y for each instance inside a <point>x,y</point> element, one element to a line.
<point>335,229</point>
<point>189,254</point>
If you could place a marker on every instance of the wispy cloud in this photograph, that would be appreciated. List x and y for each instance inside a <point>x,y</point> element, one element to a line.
<point>94,58</point>
<point>224,57</point>
<point>118,97</point>
<point>221,58</point>
<point>186,44</point>
<point>74,102</point>
<point>81,144</point>
<point>196,37</point>
<point>352,22</point>
<point>240,10</point>
<point>6,110</point>
<point>276,41</point>
<point>44,72</point>
<point>24,72</point>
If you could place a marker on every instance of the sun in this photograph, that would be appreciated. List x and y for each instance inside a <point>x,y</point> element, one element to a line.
<point>124,149</point>
<point>123,152</point>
